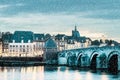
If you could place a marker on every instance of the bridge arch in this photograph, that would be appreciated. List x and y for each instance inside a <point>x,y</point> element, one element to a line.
<point>93,60</point>
<point>113,61</point>
<point>112,53</point>
<point>79,59</point>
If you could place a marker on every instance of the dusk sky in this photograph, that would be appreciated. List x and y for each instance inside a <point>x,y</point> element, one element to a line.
<point>93,18</point>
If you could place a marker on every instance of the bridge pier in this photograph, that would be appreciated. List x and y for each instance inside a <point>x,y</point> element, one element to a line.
<point>85,61</point>
<point>62,61</point>
<point>101,61</point>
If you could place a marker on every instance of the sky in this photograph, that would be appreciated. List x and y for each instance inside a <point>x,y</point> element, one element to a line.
<point>93,18</point>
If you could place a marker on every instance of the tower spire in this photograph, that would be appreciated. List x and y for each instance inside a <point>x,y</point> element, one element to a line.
<point>75,28</point>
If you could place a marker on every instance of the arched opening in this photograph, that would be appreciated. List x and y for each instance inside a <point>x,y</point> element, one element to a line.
<point>113,64</point>
<point>79,61</point>
<point>93,63</point>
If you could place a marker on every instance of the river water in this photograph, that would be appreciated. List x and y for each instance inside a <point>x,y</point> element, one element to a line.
<point>53,73</point>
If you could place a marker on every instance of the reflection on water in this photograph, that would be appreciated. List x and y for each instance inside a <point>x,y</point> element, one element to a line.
<point>52,73</point>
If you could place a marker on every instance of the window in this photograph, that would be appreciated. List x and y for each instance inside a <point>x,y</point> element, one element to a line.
<point>23,45</point>
<point>20,50</point>
<point>27,50</point>
<point>23,50</point>
<point>10,50</point>
<point>29,41</point>
<point>10,45</point>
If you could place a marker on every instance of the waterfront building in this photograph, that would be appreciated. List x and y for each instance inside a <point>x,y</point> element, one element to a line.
<point>72,42</point>
<point>6,38</point>
<point>60,41</point>
<point>39,40</point>
<point>22,44</point>
<point>50,51</point>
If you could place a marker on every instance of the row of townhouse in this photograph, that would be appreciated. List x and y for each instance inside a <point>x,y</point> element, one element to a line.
<point>22,43</point>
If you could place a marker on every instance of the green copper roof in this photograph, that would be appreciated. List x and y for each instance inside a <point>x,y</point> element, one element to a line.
<point>23,35</point>
<point>50,43</point>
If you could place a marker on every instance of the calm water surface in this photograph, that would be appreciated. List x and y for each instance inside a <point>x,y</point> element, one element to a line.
<point>53,73</point>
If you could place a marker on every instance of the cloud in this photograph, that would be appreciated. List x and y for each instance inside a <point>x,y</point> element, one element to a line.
<point>93,35</point>
<point>60,23</point>
<point>98,17</point>
<point>4,6</point>
<point>58,6</point>
<point>20,4</point>
<point>104,14</point>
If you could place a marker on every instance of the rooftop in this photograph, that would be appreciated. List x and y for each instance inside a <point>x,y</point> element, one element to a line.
<point>50,43</point>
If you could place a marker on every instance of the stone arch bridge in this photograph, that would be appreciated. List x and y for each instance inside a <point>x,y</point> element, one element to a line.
<point>107,57</point>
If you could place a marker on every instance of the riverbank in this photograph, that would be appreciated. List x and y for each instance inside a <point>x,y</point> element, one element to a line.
<point>21,61</point>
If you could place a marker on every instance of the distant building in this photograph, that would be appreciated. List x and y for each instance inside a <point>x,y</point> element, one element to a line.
<point>60,41</point>
<point>6,38</point>
<point>75,41</point>
<point>75,33</point>
<point>22,44</point>
<point>39,40</point>
<point>27,43</point>
<point>50,51</point>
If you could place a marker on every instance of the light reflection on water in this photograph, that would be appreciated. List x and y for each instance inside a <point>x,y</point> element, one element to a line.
<point>52,73</point>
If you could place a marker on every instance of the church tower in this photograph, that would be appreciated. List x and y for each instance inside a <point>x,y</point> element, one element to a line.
<point>75,33</point>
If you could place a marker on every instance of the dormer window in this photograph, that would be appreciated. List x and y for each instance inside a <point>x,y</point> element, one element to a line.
<point>13,41</point>
<point>36,38</point>
<point>22,41</point>
<point>29,41</point>
<point>42,38</point>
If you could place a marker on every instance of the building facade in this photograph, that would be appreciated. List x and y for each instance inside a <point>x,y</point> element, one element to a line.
<point>74,41</point>
<point>39,40</point>
<point>27,43</point>
<point>60,41</point>
<point>6,38</point>
<point>22,44</point>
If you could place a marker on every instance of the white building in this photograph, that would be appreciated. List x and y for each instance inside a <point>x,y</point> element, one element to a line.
<point>26,43</point>
<point>22,49</point>
<point>22,44</point>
